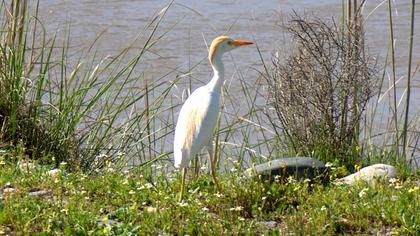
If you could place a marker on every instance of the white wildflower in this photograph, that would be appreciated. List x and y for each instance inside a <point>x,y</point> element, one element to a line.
<point>363,192</point>
<point>392,180</point>
<point>151,209</point>
<point>183,204</point>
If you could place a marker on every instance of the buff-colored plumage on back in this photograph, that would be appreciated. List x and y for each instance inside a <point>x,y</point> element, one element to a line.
<point>199,114</point>
<point>214,45</point>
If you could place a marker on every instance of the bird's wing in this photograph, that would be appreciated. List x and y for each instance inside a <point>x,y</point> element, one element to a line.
<point>189,122</point>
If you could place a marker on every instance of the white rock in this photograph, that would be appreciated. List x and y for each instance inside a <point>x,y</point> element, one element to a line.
<point>54,172</point>
<point>9,190</point>
<point>268,224</point>
<point>369,173</point>
<point>39,193</point>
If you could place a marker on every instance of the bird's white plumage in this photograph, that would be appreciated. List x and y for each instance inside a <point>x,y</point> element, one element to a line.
<point>198,116</point>
<point>196,123</point>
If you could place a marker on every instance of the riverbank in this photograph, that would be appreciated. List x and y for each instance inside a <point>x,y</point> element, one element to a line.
<point>35,200</point>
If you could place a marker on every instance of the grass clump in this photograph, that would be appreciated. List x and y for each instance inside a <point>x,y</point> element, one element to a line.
<point>86,111</point>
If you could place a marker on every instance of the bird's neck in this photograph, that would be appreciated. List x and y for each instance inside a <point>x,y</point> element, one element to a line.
<point>216,82</point>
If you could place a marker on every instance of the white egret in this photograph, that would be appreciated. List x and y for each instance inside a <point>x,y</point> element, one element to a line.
<point>198,116</point>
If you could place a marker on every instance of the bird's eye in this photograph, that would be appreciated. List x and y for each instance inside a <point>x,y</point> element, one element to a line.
<point>229,42</point>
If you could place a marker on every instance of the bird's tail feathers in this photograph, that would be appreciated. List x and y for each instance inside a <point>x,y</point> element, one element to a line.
<point>181,158</point>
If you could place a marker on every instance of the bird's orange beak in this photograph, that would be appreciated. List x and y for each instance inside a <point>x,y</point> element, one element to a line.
<point>241,42</point>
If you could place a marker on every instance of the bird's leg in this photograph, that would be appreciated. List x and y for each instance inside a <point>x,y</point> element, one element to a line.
<point>184,175</point>
<point>196,166</point>
<point>212,165</point>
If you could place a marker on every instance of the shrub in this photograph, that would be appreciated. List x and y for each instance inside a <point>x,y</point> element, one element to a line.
<point>320,90</point>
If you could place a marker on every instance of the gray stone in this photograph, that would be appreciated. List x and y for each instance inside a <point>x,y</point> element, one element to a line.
<point>6,191</point>
<point>38,193</point>
<point>369,174</point>
<point>268,224</point>
<point>298,167</point>
<point>54,172</point>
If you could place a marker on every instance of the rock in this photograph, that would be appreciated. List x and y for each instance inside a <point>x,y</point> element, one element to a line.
<point>9,190</point>
<point>268,224</point>
<point>369,173</point>
<point>54,172</point>
<point>38,193</point>
<point>298,167</point>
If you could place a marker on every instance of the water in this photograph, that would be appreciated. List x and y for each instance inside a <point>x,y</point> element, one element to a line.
<point>191,25</point>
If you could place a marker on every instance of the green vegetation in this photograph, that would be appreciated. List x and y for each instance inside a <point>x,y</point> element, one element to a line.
<point>93,116</point>
<point>128,203</point>
<point>85,114</point>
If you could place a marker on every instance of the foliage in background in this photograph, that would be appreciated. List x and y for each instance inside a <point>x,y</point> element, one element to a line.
<point>97,109</point>
<point>86,114</point>
<point>320,91</point>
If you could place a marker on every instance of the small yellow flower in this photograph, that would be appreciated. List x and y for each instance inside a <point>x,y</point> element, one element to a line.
<point>414,189</point>
<point>238,208</point>
<point>107,230</point>
<point>291,180</point>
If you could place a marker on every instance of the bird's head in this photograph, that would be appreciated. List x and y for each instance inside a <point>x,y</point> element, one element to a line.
<point>224,44</point>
